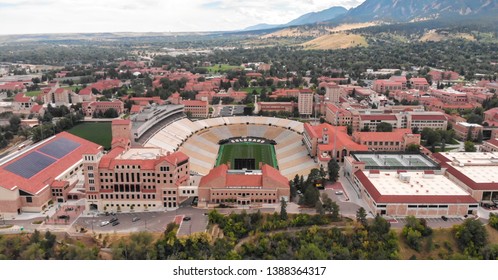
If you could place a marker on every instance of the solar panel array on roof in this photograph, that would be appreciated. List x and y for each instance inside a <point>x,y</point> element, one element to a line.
<point>59,148</point>
<point>30,165</point>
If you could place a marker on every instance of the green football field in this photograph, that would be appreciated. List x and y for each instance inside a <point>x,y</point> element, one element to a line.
<point>99,133</point>
<point>260,152</point>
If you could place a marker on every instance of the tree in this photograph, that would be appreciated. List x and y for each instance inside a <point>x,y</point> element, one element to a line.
<point>361,216</point>
<point>413,148</point>
<point>471,237</point>
<point>111,113</point>
<point>319,208</point>
<point>469,134</point>
<point>283,209</point>
<point>479,137</point>
<point>470,147</point>
<point>414,230</point>
<point>493,220</point>
<point>330,206</point>
<point>15,123</point>
<point>350,129</point>
<point>333,170</point>
<point>310,197</point>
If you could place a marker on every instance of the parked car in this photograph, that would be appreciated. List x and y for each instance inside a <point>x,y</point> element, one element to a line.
<point>113,220</point>
<point>135,219</point>
<point>115,223</point>
<point>63,217</point>
<point>104,223</point>
<point>339,192</point>
<point>187,218</point>
<point>444,218</point>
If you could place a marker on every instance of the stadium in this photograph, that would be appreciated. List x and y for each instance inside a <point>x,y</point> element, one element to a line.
<point>242,142</point>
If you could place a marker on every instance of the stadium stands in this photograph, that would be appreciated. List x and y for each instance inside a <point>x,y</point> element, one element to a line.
<point>199,140</point>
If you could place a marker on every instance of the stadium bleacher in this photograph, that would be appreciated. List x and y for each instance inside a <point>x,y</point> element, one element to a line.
<point>199,140</point>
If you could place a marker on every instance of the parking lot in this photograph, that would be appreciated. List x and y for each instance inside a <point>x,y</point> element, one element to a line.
<point>147,221</point>
<point>432,222</point>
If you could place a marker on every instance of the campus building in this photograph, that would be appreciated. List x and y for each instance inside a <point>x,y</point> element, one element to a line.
<point>198,109</point>
<point>305,103</point>
<point>395,141</point>
<point>406,184</point>
<point>477,173</point>
<point>468,131</point>
<point>90,108</point>
<point>136,179</point>
<point>325,142</point>
<point>254,188</point>
<point>48,172</point>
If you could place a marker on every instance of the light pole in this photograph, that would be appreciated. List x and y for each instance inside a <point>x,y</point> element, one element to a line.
<point>93,221</point>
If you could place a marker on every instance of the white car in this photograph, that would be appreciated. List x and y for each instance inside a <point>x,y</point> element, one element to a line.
<point>339,192</point>
<point>104,223</point>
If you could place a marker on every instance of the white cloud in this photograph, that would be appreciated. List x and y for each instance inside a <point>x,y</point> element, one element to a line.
<point>67,16</point>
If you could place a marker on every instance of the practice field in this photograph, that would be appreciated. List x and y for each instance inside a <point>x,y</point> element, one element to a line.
<point>247,155</point>
<point>99,133</point>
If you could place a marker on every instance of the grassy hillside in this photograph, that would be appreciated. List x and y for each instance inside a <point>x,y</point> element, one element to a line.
<point>336,41</point>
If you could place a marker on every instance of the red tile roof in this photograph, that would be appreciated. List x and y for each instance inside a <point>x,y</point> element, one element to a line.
<point>45,177</point>
<point>378,117</point>
<point>118,122</point>
<point>270,178</point>
<point>21,98</point>
<point>435,117</point>
<point>396,135</point>
<point>493,142</point>
<point>244,180</point>
<point>135,109</point>
<point>195,103</point>
<point>36,108</point>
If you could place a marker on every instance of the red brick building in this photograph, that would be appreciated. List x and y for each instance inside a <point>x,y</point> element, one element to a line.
<point>198,109</point>
<point>396,141</point>
<point>47,172</point>
<point>101,106</point>
<point>237,187</point>
<point>135,179</point>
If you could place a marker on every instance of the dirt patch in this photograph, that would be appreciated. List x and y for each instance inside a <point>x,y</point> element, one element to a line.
<point>353,26</point>
<point>434,36</point>
<point>336,41</point>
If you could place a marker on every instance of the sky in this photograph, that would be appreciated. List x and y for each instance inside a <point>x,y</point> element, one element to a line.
<point>89,16</point>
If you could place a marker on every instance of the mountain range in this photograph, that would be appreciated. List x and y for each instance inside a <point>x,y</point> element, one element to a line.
<point>395,11</point>
<point>310,18</point>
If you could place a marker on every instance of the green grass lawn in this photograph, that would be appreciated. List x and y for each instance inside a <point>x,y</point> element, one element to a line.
<point>99,133</point>
<point>73,88</point>
<point>251,89</point>
<point>33,93</point>
<point>260,152</point>
<point>221,68</point>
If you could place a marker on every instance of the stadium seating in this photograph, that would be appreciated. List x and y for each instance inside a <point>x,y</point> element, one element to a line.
<point>199,140</point>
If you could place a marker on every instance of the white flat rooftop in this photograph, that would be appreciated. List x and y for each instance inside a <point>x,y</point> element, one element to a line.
<point>479,167</point>
<point>389,183</point>
<point>141,153</point>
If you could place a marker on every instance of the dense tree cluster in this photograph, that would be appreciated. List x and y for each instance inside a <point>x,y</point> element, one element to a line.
<point>38,246</point>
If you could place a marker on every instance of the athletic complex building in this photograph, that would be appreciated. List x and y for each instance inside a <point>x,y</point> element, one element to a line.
<point>48,172</point>
<point>397,184</point>
<point>244,160</point>
<point>201,140</point>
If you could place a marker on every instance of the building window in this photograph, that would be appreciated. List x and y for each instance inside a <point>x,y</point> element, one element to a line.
<point>29,199</point>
